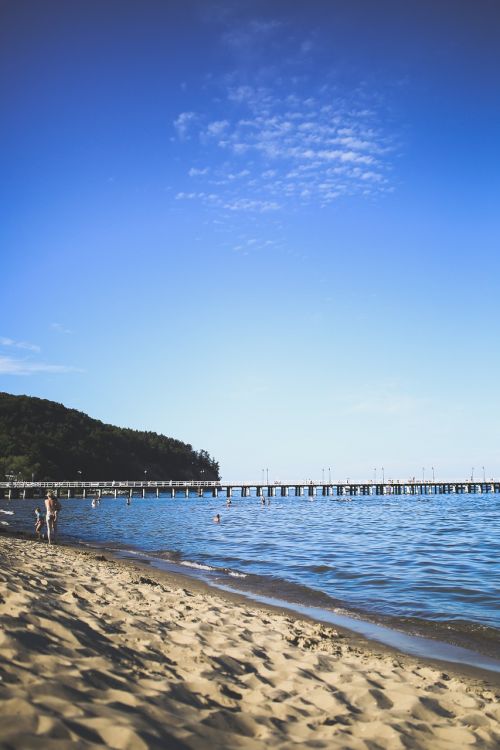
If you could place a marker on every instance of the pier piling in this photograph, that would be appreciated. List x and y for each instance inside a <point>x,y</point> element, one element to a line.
<point>27,490</point>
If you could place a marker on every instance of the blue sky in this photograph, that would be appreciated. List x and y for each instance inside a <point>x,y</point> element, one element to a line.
<point>269,229</point>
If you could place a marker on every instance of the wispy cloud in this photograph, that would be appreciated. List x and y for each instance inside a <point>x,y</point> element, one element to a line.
<point>19,344</point>
<point>15,366</point>
<point>282,149</point>
<point>217,128</point>
<point>30,363</point>
<point>252,34</point>
<point>281,132</point>
<point>183,124</point>
<point>59,328</point>
<point>197,172</point>
<point>231,204</point>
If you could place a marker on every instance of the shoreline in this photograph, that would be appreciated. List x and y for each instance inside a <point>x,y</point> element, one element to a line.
<point>452,608</point>
<point>441,645</point>
<point>106,652</point>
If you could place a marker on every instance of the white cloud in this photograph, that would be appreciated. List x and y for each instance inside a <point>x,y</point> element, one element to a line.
<point>259,26</point>
<point>237,204</point>
<point>59,328</point>
<point>250,38</point>
<point>194,172</point>
<point>29,364</point>
<point>216,128</point>
<point>239,148</point>
<point>19,344</point>
<point>183,123</point>
<point>13,366</point>
<point>247,204</point>
<point>373,176</point>
<point>281,148</point>
<point>238,175</point>
<point>306,47</point>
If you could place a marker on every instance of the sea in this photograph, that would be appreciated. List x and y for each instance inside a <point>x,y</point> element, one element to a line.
<point>420,573</point>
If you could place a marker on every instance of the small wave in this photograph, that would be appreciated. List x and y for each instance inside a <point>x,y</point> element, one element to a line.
<point>130,551</point>
<point>349,575</point>
<point>202,566</point>
<point>198,566</point>
<point>320,568</point>
<point>170,555</point>
<point>376,581</point>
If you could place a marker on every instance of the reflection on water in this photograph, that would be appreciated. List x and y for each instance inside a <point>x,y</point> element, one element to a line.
<point>435,558</point>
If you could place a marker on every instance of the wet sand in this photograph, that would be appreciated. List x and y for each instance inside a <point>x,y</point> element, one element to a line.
<point>104,653</point>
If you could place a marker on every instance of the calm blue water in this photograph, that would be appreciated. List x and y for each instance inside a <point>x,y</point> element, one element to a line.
<point>435,558</point>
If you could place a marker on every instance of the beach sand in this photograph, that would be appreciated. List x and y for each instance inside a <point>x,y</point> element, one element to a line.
<point>102,653</point>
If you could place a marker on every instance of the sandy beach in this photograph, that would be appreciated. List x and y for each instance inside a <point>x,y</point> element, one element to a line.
<point>103,653</point>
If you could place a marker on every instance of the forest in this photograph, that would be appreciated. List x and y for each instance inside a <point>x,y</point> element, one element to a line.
<point>42,440</point>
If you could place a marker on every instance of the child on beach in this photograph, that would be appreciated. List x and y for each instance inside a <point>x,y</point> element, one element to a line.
<point>39,522</point>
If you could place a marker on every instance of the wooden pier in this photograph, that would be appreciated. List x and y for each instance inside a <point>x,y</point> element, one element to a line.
<point>199,488</point>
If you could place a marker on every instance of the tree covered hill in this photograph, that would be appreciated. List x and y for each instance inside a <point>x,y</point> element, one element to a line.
<point>46,440</point>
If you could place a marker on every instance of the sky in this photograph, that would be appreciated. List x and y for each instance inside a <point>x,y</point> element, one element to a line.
<point>268,229</point>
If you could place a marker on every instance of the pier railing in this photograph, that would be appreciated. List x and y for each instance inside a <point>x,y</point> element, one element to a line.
<point>113,483</point>
<point>198,487</point>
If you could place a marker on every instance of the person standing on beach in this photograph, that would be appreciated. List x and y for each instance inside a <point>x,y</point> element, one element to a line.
<point>52,506</point>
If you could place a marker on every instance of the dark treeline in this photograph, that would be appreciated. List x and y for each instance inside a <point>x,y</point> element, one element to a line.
<point>47,441</point>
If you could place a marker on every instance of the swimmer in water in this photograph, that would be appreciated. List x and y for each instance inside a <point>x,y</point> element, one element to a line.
<point>217,518</point>
<point>228,502</point>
